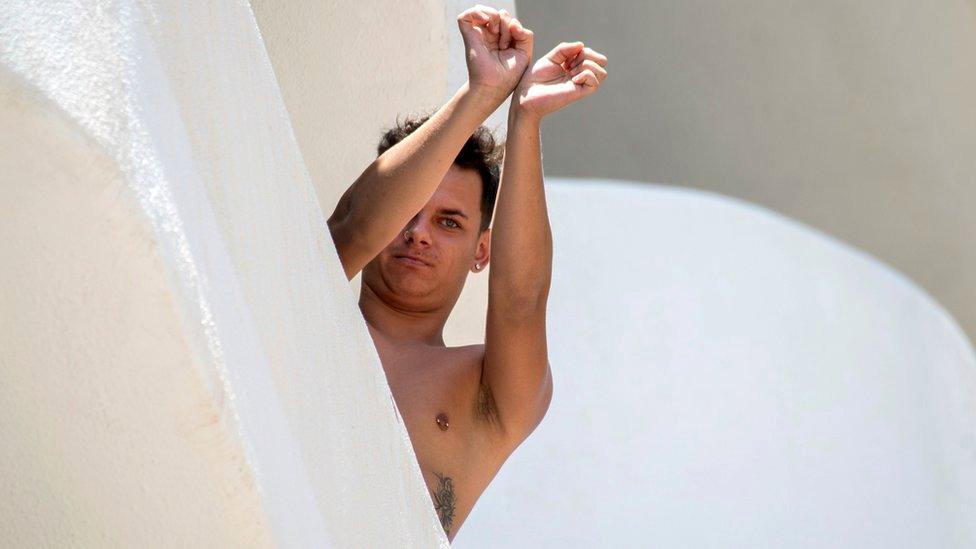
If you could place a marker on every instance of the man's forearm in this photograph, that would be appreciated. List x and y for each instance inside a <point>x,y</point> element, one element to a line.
<point>521,239</point>
<point>396,185</point>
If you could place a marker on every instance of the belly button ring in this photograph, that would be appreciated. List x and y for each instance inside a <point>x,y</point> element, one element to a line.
<point>442,421</point>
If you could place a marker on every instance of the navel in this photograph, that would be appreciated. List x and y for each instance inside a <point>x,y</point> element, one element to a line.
<point>442,422</point>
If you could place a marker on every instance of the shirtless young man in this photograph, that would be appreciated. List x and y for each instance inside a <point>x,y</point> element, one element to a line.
<point>416,223</point>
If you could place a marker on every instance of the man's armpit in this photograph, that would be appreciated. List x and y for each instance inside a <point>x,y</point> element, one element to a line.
<point>485,409</point>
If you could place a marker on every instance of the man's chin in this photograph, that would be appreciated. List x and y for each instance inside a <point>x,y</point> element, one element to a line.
<point>406,282</point>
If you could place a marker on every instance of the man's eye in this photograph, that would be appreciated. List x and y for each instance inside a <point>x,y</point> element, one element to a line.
<point>455,224</point>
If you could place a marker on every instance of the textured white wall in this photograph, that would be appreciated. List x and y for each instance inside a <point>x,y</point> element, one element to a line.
<point>111,433</point>
<point>727,377</point>
<point>213,307</point>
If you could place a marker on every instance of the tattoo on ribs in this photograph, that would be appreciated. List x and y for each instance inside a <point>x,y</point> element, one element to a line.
<point>444,501</point>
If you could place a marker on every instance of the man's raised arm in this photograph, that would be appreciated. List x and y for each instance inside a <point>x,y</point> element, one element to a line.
<point>397,184</point>
<point>516,368</point>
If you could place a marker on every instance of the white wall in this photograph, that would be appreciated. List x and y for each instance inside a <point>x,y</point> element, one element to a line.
<point>112,433</point>
<point>726,377</point>
<point>197,291</point>
<point>347,70</point>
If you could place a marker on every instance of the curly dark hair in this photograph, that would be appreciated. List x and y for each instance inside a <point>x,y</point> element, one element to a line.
<point>480,152</point>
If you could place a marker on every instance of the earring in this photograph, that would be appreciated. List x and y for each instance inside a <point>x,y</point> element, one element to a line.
<point>477,266</point>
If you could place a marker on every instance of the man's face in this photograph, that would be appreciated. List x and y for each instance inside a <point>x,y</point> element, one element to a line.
<point>446,239</point>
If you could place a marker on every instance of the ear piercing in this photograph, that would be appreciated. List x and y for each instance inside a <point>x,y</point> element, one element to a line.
<point>477,266</point>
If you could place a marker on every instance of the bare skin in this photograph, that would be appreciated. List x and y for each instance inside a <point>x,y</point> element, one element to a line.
<point>466,408</point>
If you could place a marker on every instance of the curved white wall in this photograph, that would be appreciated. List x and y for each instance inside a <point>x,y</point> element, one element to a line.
<point>165,230</point>
<point>112,433</point>
<point>726,377</point>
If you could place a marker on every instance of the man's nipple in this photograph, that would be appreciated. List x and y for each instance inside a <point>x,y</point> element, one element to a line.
<point>442,421</point>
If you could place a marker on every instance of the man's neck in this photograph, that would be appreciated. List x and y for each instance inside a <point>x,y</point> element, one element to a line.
<point>401,325</point>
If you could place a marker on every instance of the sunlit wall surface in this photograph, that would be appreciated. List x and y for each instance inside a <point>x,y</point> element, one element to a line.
<point>182,360</point>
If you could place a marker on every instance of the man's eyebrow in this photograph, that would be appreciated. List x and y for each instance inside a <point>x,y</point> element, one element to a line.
<point>450,211</point>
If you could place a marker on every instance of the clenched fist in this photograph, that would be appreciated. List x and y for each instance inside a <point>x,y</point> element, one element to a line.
<point>497,49</point>
<point>567,73</point>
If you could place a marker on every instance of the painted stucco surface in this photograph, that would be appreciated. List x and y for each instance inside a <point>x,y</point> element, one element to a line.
<point>111,434</point>
<point>854,117</point>
<point>181,260</point>
<point>347,70</point>
<point>726,377</point>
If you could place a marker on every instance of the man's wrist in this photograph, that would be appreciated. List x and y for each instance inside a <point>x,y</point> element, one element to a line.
<point>484,96</point>
<point>520,115</point>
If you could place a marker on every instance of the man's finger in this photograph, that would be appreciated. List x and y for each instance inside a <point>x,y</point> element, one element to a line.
<point>479,28</point>
<point>505,23</point>
<point>522,37</point>
<point>589,53</point>
<point>473,16</point>
<point>480,16</point>
<point>587,80</point>
<point>564,52</point>
<point>493,17</point>
<point>591,65</point>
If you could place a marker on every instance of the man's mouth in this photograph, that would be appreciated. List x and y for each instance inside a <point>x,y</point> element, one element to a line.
<point>411,260</point>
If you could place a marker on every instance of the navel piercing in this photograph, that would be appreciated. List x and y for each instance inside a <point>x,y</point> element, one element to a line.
<point>442,421</point>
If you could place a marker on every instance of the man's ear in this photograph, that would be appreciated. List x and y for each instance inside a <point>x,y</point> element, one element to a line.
<point>483,252</point>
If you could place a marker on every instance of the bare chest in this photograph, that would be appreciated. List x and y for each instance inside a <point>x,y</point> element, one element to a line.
<point>437,393</point>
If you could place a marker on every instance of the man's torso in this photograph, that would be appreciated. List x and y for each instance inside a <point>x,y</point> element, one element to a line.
<point>451,421</point>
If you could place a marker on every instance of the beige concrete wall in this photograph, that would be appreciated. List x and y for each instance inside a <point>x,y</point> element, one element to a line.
<point>857,118</point>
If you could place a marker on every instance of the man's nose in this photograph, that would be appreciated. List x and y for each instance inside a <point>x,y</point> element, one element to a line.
<point>417,230</point>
